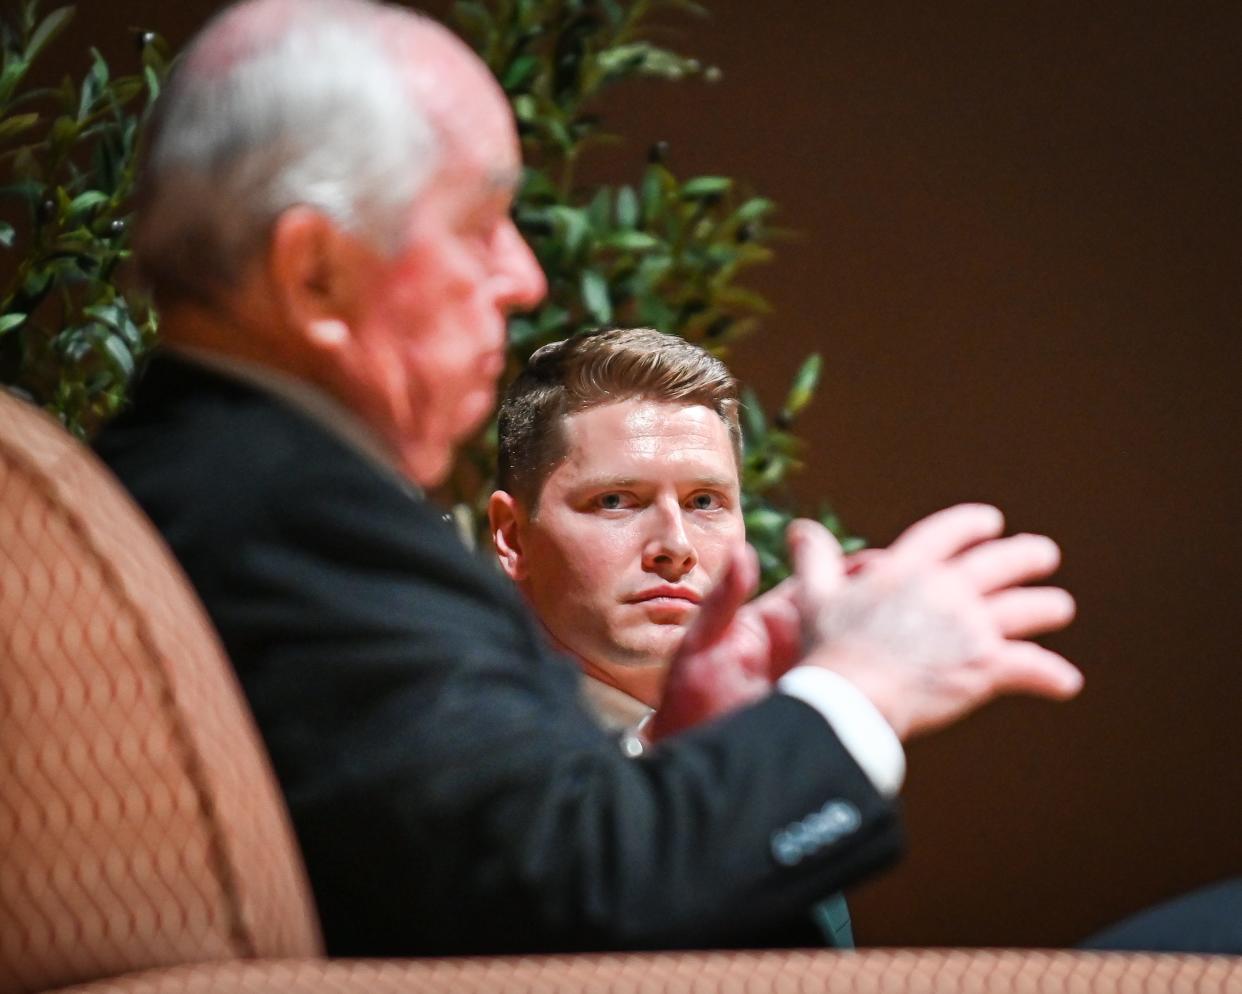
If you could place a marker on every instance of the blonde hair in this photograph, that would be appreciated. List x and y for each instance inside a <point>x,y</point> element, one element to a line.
<point>598,368</point>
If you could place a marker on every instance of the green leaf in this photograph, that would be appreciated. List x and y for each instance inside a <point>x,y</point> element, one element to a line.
<point>641,58</point>
<point>765,521</point>
<point>653,193</point>
<point>572,225</point>
<point>655,313</point>
<point>536,186</point>
<point>131,335</point>
<point>10,321</point>
<point>110,313</point>
<point>120,355</point>
<point>627,207</point>
<point>753,209</point>
<point>522,334</point>
<point>37,281</point>
<point>525,108</point>
<point>94,84</point>
<point>520,72</point>
<point>738,298</point>
<point>623,59</point>
<point>754,424</point>
<point>767,471</point>
<point>651,271</point>
<point>7,234</point>
<point>48,29</point>
<point>595,296</point>
<point>85,201</point>
<point>600,209</point>
<point>632,241</point>
<point>804,384</point>
<point>705,186</point>
<point>64,132</point>
<point>16,124</point>
<point>552,318</point>
<point>153,84</point>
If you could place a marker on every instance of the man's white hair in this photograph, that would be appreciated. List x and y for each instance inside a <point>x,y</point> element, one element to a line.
<point>313,107</point>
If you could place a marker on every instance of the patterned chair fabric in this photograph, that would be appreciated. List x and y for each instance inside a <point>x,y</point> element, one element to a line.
<point>139,824</point>
<point>144,847</point>
<point>876,971</point>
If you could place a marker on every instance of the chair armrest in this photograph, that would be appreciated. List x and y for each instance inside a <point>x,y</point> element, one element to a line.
<point>883,971</point>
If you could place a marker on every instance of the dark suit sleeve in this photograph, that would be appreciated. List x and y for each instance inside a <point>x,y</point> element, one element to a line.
<point>449,791</point>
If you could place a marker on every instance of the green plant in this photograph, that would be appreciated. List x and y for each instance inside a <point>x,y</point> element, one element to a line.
<point>662,251</point>
<point>70,336</point>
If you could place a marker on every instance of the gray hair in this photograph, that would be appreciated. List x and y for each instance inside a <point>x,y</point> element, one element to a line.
<point>311,109</point>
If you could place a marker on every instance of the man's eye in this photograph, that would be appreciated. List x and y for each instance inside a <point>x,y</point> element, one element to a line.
<point>705,502</point>
<point>611,502</point>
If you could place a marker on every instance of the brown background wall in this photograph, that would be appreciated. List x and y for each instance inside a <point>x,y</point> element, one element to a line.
<point>1019,252</point>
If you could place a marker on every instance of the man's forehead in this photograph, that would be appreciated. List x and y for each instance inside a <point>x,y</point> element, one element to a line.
<point>629,439</point>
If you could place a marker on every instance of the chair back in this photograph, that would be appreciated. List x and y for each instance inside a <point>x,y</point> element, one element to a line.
<point>140,824</point>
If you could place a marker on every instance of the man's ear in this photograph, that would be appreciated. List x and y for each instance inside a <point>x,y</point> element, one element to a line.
<point>505,519</point>
<point>314,275</point>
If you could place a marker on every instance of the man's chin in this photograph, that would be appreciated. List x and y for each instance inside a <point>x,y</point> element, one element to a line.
<point>653,648</point>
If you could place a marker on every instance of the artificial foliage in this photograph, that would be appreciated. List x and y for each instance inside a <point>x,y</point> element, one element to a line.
<point>70,335</point>
<point>664,251</point>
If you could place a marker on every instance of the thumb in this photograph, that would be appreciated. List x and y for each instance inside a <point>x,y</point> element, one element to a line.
<point>721,605</point>
<point>818,564</point>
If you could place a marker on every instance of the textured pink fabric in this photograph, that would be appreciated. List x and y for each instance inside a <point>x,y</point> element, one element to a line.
<point>139,823</point>
<point>930,971</point>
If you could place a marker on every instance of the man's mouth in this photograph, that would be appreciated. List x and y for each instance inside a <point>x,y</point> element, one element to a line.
<point>667,594</point>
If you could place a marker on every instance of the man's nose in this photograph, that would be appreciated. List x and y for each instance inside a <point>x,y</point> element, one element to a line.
<point>669,552</point>
<point>519,283</point>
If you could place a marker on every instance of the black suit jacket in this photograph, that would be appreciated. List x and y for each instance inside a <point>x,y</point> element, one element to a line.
<point>449,791</point>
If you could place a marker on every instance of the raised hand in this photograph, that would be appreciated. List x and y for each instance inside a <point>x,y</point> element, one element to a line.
<point>734,650</point>
<point>936,625</point>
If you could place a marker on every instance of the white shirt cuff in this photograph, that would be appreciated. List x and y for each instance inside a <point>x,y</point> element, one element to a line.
<point>855,720</point>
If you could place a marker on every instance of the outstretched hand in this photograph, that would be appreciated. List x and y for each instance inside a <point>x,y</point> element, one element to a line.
<point>929,629</point>
<point>937,624</point>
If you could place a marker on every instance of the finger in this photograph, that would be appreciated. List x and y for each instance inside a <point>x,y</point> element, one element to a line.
<point>1007,561</point>
<point>942,535</point>
<point>817,561</point>
<point>1027,668</point>
<point>719,607</point>
<point>1027,611</point>
<point>780,617</point>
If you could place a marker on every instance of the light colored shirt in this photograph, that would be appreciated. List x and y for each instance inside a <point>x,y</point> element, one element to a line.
<point>854,719</point>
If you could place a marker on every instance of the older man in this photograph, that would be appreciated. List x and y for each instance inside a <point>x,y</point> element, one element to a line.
<point>325,225</point>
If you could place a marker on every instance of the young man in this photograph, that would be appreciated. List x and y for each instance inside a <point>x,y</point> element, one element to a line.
<point>619,503</point>
<point>618,510</point>
<point>324,221</point>
<point>619,465</point>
